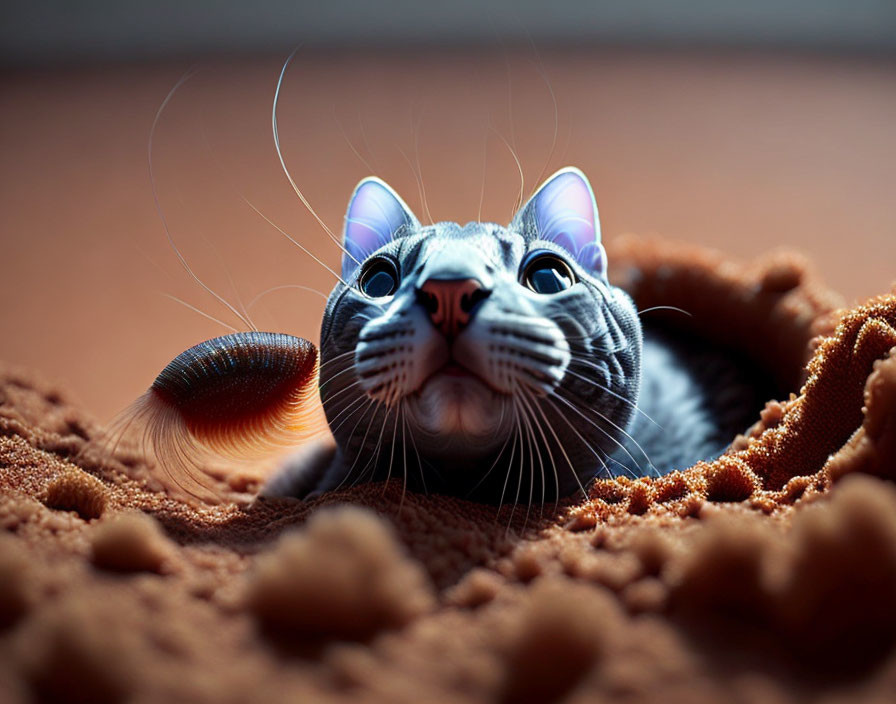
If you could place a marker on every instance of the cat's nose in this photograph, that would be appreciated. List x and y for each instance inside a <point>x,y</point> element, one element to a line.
<point>451,303</point>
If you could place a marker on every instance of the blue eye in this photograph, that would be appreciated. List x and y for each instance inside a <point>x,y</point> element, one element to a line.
<point>379,279</point>
<point>547,273</point>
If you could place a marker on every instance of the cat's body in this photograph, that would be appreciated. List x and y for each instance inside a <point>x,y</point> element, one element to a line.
<point>498,363</point>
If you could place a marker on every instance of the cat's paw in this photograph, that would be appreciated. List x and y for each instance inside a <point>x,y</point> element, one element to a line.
<point>302,473</point>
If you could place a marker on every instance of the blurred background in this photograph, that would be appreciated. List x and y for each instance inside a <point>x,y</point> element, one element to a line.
<point>741,126</point>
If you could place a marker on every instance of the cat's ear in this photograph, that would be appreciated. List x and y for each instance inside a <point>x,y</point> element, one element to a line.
<point>375,216</point>
<point>563,211</point>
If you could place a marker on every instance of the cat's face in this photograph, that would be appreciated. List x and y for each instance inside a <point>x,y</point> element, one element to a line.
<point>451,351</point>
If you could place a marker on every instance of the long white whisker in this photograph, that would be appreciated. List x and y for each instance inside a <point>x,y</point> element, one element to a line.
<point>514,432</point>
<point>519,167</point>
<point>294,241</point>
<point>676,309</point>
<point>533,446</point>
<point>201,312</point>
<point>155,196</point>
<point>542,72</point>
<point>351,145</point>
<point>497,457</point>
<point>233,286</point>
<point>605,389</point>
<point>516,500</point>
<point>420,168</point>
<point>392,449</point>
<point>339,392</point>
<point>341,355</point>
<point>375,405</point>
<point>484,173</point>
<point>354,403</point>
<point>375,459</point>
<point>570,405</point>
<point>650,464</point>
<point>419,464</point>
<point>530,400</point>
<point>404,456</point>
<point>276,131</point>
<point>563,451</point>
<point>264,293</point>
<point>584,442</point>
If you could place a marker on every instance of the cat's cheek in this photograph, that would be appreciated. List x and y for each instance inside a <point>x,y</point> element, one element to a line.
<point>397,353</point>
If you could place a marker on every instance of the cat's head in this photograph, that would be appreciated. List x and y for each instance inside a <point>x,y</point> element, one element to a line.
<point>452,352</point>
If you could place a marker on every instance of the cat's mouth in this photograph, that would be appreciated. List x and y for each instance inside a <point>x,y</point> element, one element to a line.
<point>456,405</point>
<point>454,370</point>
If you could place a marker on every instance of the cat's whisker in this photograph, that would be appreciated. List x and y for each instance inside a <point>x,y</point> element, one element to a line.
<point>373,463</point>
<point>606,389</point>
<point>525,439</point>
<point>519,167</point>
<point>276,132</point>
<point>341,391</point>
<point>330,379</point>
<point>264,293</point>
<point>584,442</point>
<point>576,410</point>
<point>365,409</point>
<point>419,465</point>
<point>497,457</point>
<point>417,126</point>
<point>294,241</point>
<point>542,73</point>
<point>420,190</point>
<point>516,499</point>
<point>650,464</point>
<point>527,421</point>
<point>404,458</point>
<point>374,405</point>
<point>200,312</point>
<point>233,286</point>
<point>351,145</point>
<point>364,140</point>
<point>651,468</point>
<point>673,308</point>
<point>533,454</point>
<point>572,469</point>
<point>514,433</point>
<point>534,404</point>
<point>352,403</point>
<point>484,172</point>
<point>392,449</point>
<point>161,213</point>
<point>342,355</point>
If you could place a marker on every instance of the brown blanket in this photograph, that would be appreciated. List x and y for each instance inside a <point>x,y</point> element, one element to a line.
<point>766,575</point>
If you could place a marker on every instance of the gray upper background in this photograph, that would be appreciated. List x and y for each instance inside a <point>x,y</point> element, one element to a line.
<point>49,31</point>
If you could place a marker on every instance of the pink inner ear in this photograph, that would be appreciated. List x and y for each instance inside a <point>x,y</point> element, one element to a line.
<point>374,215</point>
<point>565,213</point>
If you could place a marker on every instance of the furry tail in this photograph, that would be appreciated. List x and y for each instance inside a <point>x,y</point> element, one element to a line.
<point>239,397</point>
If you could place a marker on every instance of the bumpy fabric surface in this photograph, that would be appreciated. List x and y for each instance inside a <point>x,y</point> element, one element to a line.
<point>767,575</point>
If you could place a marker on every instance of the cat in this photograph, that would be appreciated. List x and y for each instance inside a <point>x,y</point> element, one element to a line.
<point>498,363</point>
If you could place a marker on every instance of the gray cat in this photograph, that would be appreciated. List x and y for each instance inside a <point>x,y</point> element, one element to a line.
<point>480,361</point>
<point>494,363</point>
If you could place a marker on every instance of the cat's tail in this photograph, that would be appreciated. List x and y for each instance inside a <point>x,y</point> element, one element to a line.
<point>238,397</point>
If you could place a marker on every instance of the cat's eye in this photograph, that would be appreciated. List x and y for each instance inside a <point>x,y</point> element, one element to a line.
<point>379,278</point>
<point>547,273</point>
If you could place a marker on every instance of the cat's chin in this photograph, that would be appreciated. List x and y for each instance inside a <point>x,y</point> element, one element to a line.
<point>457,413</point>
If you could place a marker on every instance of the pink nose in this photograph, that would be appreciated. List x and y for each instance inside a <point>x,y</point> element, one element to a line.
<point>450,303</point>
